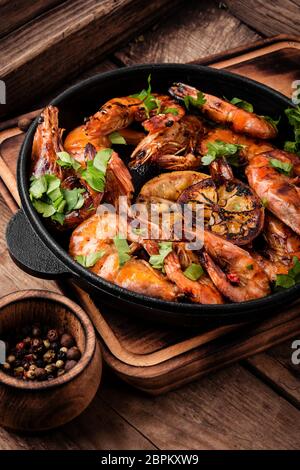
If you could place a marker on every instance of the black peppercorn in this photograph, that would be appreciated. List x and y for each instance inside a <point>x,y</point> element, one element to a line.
<point>39,363</point>
<point>39,353</point>
<point>74,354</point>
<point>55,346</point>
<point>52,335</point>
<point>61,356</point>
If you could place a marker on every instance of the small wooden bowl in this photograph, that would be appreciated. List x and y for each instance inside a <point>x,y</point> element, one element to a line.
<point>35,406</point>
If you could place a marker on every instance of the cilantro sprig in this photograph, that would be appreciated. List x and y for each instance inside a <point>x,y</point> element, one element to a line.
<point>149,101</point>
<point>50,200</point>
<point>218,148</point>
<point>197,102</point>
<point>193,272</point>
<point>157,261</point>
<point>286,281</point>
<point>88,261</point>
<point>65,160</point>
<point>293,115</point>
<point>123,249</point>
<point>117,138</point>
<point>242,104</point>
<point>282,167</point>
<point>95,171</point>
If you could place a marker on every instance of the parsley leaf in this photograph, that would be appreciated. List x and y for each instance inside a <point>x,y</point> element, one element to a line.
<point>242,104</point>
<point>46,210</point>
<point>218,148</point>
<point>66,161</point>
<point>123,249</point>
<point>117,138</point>
<point>74,199</point>
<point>88,261</point>
<point>292,278</point>
<point>50,200</point>
<point>249,267</point>
<point>173,111</point>
<point>199,101</point>
<point>94,173</point>
<point>149,101</point>
<point>193,272</point>
<point>293,115</point>
<point>157,261</point>
<point>283,167</point>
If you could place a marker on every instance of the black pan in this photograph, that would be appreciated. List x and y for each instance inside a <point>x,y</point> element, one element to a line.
<point>42,254</point>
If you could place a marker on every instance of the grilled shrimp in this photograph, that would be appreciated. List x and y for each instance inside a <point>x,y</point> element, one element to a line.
<point>280,192</point>
<point>176,141</point>
<point>96,235</point>
<point>223,112</point>
<point>251,148</point>
<point>233,270</point>
<point>201,291</point>
<point>46,143</point>
<point>282,244</point>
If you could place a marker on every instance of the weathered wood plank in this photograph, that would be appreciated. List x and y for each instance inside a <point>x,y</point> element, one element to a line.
<point>43,53</point>
<point>277,369</point>
<point>228,410</point>
<point>14,14</point>
<point>268,18</point>
<point>98,428</point>
<point>199,29</point>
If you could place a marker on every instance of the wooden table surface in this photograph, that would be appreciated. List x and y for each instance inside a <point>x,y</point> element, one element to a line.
<point>250,405</point>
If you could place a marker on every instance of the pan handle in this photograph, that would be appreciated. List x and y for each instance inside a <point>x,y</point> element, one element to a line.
<point>29,252</point>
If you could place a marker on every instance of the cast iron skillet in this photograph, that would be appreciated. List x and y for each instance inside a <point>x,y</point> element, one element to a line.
<point>42,254</point>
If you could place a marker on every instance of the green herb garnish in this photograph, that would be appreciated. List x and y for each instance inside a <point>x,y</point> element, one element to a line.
<point>122,248</point>
<point>95,171</point>
<point>193,272</point>
<point>88,261</point>
<point>157,261</point>
<point>199,101</point>
<point>220,149</point>
<point>50,200</point>
<point>265,202</point>
<point>73,198</point>
<point>242,104</point>
<point>293,115</point>
<point>149,101</point>
<point>292,278</point>
<point>283,167</point>
<point>249,267</point>
<point>117,138</point>
<point>65,160</point>
<point>173,111</point>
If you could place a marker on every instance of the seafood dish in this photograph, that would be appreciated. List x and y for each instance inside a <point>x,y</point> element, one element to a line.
<point>110,184</point>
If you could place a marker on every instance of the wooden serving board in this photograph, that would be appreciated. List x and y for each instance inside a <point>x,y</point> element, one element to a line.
<point>151,357</point>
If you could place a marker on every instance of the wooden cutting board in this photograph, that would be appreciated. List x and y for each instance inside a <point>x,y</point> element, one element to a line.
<point>151,357</point>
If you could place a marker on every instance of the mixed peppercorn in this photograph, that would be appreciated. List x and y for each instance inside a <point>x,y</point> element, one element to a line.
<point>40,353</point>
